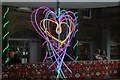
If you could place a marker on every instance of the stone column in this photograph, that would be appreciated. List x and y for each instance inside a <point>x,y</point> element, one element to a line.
<point>108,43</point>
<point>0,40</point>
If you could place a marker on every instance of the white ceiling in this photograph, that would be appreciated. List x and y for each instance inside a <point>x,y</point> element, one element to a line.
<point>62,4</point>
<point>60,0</point>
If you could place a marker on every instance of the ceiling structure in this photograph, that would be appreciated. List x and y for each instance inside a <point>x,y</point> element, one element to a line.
<point>62,4</point>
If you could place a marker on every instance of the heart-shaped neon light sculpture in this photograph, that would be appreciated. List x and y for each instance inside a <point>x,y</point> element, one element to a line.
<point>44,28</point>
<point>56,47</point>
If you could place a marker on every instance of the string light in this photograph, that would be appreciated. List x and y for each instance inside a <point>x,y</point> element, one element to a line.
<point>75,32</point>
<point>4,16</point>
<point>75,44</point>
<point>76,58</point>
<point>76,13</point>
<point>7,59</point>
<point>7,34</point>
<point>5,24</point>
<point>5,48</point>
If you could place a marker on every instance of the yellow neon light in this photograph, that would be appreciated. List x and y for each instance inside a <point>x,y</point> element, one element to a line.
<point>58,31</point>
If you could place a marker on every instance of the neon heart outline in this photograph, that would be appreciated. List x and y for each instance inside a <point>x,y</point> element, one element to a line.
<point>64,48</point>
<point>44,29</point>
<point>49,11</point>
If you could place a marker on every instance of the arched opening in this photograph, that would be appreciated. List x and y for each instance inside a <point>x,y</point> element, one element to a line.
<point>26,44</point>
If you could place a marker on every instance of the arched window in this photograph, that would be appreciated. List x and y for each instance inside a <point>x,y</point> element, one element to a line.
<point>20,43</point>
